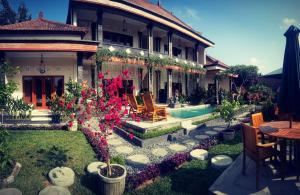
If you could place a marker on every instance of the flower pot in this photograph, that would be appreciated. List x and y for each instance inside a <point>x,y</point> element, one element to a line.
<point>74,126</point>
<point>113,186</point>
<point>56,118</point>
<point>228,134</point>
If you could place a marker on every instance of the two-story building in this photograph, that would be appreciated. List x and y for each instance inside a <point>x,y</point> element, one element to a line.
<point>162,53</point>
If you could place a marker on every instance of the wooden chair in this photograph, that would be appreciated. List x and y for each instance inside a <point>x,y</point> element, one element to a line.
<point>153,112</point>
<point>256,151</point>
<point>134,107</point>
<point>257,120</point>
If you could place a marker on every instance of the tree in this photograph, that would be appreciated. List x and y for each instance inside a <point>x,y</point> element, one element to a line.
<point>23,14</point>
<point>7,14</point>
<point>247,75</point>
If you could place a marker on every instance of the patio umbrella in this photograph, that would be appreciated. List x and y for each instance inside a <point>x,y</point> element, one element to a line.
<point>289,95</point>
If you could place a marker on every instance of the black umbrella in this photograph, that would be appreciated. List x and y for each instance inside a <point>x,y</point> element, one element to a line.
<point>289,97</point>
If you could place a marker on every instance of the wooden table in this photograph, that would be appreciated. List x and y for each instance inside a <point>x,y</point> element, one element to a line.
<point>281,131</point>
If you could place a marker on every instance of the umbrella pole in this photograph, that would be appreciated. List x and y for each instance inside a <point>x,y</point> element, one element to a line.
<point>291,120</point>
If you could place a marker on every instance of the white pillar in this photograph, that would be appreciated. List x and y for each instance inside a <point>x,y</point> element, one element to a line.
<point>169,84</point>
<point>74,17</point>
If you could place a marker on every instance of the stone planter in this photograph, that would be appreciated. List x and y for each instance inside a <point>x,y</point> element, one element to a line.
<point>228,134</point>
<point>113,186</point>
<point>74,126</point>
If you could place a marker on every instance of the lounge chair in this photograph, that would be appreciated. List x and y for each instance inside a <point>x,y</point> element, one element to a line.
<point>153,112</point>
<point>256,151</point>
<point>134,107</point>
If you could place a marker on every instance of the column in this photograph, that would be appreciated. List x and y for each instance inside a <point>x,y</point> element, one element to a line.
<point>150,37</point>
<point>79,67</point>
<point>169,84</point>
<point>170,44</point>
<point>150,79</point>
<point>196,57</point>
<point>140,34</point>
<point>74,17</point>
<point>186,84</point>
<point>99,28</point>
<point>217,90</point>
<point>140,78</point>
<point>157,73</point>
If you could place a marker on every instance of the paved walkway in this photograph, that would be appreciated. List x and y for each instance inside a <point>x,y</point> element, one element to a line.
<point>234,183</point>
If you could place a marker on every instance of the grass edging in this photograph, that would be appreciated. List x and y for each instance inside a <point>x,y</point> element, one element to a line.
<point>154,133</point>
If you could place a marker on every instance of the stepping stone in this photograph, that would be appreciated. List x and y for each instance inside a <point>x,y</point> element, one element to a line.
<point>177,147</point>
<point>211,132</point>
<point>62,176</point>
<point>10,191</point>
<point>124,149</point>
<point>115,142</point>
<point>55,190</point>
<point>201,137</point>
<point>218,129</point>
<point>160,152</point>
<point>94,167</point>
<point>221,161</point>
<point>190,143</point>
<point>112,136</point>
<point>199,154</point>
<point>139,158</point>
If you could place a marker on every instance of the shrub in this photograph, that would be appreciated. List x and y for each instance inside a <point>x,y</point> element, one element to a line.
<point>199,96</point>
<point>118,160</point>
<point>154,133</point>
<point>268,110</point>
<point>227,110</point>
<point>5,159</point>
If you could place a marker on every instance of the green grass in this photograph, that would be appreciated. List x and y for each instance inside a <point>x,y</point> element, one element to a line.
<point>33,150</point>
<point>212,117</point>
<point>194,177</point>
<point>155,132</point>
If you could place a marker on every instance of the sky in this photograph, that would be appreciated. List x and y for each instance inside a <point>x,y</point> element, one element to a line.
<point>244,31</point>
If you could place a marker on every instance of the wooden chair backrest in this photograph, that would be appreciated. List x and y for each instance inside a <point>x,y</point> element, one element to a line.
<point>148,102</point>
<point>250,139</point>
<point>132,101</point>
<point>257,119</point>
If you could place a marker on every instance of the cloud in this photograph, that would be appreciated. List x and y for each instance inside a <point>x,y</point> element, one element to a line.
<point>192,13</point>
<point>286,22</point>
<point>254,61</point>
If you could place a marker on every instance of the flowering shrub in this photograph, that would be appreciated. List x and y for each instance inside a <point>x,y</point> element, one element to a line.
<point>106,106</point>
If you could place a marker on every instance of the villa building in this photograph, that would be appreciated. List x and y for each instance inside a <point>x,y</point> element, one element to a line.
<point>162,53</point>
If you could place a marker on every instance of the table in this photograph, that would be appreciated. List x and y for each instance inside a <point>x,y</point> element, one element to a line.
<point>281,131</point>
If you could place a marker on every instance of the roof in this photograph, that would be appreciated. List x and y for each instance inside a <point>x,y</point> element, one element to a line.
<point>275,72</point>
<point>156,8</point>
<point>210,61</point>
<point>154,12</point>
<point>41,24</point>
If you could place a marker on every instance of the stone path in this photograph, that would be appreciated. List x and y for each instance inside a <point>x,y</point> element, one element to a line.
<point>137,157</point>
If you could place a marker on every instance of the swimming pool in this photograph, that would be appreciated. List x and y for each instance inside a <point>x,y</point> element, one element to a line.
<point>191,112</point>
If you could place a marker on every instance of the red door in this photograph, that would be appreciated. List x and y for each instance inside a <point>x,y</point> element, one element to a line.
<point>38,90</point>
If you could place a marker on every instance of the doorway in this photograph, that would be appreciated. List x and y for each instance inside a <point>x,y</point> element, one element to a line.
<point>38,90</point>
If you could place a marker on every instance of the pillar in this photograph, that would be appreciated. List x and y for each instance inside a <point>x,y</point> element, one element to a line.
<point>79,67</point>
<point>186,84</point>
<point>169,84</point>
<point>196,57</point>
<point>150,38</point>
<point>170,43</point>
<point>150,79</point>
<point>217,90</point>
<point>99,29</point>
<point>157,75</point>
<point>74,17</point>
<point>140,78</point>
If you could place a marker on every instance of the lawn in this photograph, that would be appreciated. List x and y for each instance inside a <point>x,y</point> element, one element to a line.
<point>39,151</point>
<point>194,177</point>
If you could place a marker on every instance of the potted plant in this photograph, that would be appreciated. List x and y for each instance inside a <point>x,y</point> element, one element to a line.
<point>109,109</point>
<point>227,112</point>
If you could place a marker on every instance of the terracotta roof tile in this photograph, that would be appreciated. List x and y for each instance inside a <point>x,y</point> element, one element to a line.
<point>213,61</point>
<point>41,24</point>
<point>159,10</point>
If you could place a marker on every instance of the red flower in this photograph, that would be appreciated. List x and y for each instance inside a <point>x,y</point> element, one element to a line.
<point>70,124</point>
<point>100,75</point>
<point>131,136</point>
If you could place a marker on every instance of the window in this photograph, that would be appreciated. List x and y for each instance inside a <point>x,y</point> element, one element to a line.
<point>117,38</point>
<point>176,52</point>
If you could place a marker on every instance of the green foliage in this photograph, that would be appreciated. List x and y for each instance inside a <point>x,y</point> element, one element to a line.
<point>73,89</point>
<point>227,110</point>
<point>155,132</point>
<point>18,108</point>
<point>118,160</point>
<point>5,158</point>
<point>212,117</point>
<point>247,74</point>
<point>9,16</point>
<point>268,110</point>
<point>260,93</point>
<point>6,91</point>
<point>198,96</point>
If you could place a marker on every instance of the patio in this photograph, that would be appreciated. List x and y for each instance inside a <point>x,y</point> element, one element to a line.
<point>232,181</point>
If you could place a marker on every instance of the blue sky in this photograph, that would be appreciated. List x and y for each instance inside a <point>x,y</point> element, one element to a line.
<point>245,32</point>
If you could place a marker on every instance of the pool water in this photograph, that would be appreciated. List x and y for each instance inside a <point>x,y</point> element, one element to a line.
<point>191,112</point>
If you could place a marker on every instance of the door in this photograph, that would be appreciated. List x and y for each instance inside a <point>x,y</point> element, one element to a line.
<point>38,90</point>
